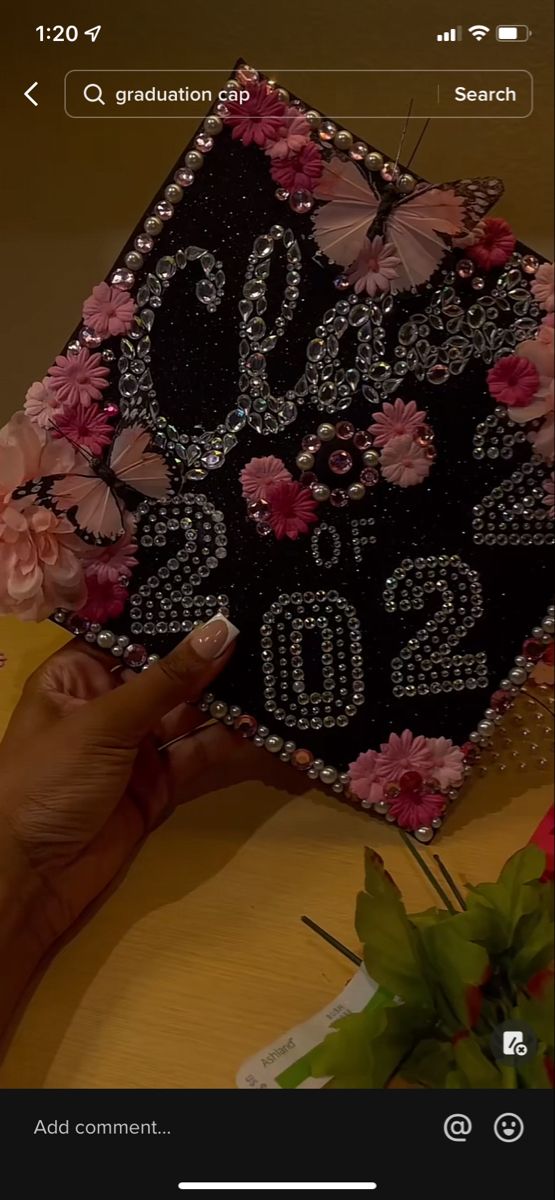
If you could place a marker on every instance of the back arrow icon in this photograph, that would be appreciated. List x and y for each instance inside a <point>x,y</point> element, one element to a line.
<point>28,95</point>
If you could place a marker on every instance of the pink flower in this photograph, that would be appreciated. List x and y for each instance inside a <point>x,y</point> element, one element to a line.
<point>290,137</point>
<point>543,287</point>
<point>258,118</point>
<point>513,381</point>
<point>300,170</point>
<point>411,809</point>
<point>105,600</point>
<point>495,246</point>
<point>108,310</point>
<point>41,403</point>
<point>404,462</point>
<point>260,474</point>
<point>447,762</point>
<point>85,425</point>
<point>40,568</point>
<point>549,498</point>
<point>539,352</point>
<point>113,563</point>
<point>375,267</point>
<point>470,236</point>
<point>78,377</point>
<point>363,780</point>
<point>542,439</point>
<point>26,453</point>
<point>403,752</point>
<point>396,419</point>
<point>292,509</point>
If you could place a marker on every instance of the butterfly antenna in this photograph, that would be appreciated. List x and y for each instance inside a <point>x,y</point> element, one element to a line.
<point>419,140</point>
<point>75,445</point>
<point>404,131</point>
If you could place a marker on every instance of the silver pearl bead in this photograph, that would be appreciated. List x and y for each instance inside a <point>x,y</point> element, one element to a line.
<point>284,756</point>
<point>213,124</point>
<point>537,632</point>
<point>437,823</point>
<point>548,625</point>
<point>485,728</point>
<point>194,160</point>
<point>312,773</point>
<point>337,788</point>
<point>520,661</point>
<point>153,225</point>
<point>263,731</point>
<point>321,492</point>
<point>343,139</point>
<point>328,775</point>
<point>105,639</point>
<point>258,741</point>
<point>406,184</point>
<point>218,709</point>
<point>318,764</point>
<point>305,461</point>
<point>173,193</point>
<point>313,118</point>
<point>274,743</point>
<point>374,161</point>
<point>424,834</point>
<point>370,458</point>
<point>381,808</point>
<point>518,676</point>
<point>356,491</point>
<point>134,260</point>
<point>290,747</point>
<point>326,432</point>
<point>474,737</point>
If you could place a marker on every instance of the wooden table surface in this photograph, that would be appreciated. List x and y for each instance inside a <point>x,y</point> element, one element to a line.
<point>199,958</point>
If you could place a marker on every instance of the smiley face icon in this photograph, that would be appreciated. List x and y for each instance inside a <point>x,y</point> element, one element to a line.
<point>509,1127</point>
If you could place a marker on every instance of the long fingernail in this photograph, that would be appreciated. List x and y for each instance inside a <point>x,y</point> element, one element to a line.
<point>210,640</point>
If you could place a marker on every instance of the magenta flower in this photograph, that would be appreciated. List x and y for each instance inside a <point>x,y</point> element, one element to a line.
<point>404,462</point>
<point>396,419</point>
<point>41,403</point>
<point>292,509</point>
<point>258,118</point>
<point>374,268</point>
<point>113,563</point>
<point>79,377</point>
<point>447,762</point>
<point>403,752</point>
<point>412,809</point>
<point>105,600</point>
<point>86,425</point>
<point>513,381</point>
<point>363,780</point>
<point>549,498</point>
<point>543,287</point>
<point>290,137</point>
<point>300,171</point>
<point>108,310</point>
<point>260,474</point>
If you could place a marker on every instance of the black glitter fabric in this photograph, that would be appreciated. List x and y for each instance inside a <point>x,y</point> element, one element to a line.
<point>195,369</point>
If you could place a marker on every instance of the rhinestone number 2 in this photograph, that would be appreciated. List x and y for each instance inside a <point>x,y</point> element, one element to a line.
<point>428,664</point>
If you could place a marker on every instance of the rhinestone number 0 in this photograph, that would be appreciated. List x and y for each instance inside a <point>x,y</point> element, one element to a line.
<point>428,664</point>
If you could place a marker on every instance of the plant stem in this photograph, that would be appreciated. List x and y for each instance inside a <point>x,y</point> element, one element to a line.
<point>428,873</point>
<point>449,879</point>
<point>337,945</point>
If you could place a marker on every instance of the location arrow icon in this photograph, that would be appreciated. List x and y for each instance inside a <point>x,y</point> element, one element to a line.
<point>28,95</point>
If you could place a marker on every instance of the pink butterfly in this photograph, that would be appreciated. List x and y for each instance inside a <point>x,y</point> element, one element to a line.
<point>94,490</point>
<point>416,228</point>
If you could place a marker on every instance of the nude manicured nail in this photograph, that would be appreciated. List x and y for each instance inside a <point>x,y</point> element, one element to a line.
<point>210,640</point>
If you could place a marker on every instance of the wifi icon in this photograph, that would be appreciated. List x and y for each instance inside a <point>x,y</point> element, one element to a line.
<point>478,31</point>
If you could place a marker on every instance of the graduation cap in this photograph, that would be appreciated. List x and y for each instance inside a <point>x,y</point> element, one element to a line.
<point>313,394</point>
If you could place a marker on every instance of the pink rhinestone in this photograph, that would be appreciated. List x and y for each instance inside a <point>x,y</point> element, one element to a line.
<point>111,409</point>
<point>425,435</point>
<point>259,510</point>
<point>122,279</point>
<point>301,201</point>
<point>204,142</point>
<point>282,194</point>
<point>478,283</point>
<point>311,443</point>
<point>135,655</point>
<point>246,725</point>
<point>77,624</point>
<point>339,498</point>
<point>465,268</point>
<point>246,74</point>
<point>369,476</point>
<point>362,440</point>
<point>184,177</point>
<point>390,172</point>
<point>164,210</point>
<point>344,430</point>
<point>222,110</point>
<point>341,283</point>
<point>89,338</point>
<point>529,264</point>
<point>144,243</point>
<point>340,462</point>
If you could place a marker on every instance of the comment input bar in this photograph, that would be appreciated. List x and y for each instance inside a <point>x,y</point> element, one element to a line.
<point>277,1187</point>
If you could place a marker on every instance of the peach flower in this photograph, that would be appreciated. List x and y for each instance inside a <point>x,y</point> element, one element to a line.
<point>540,352</point>
<point>404,462</point>
<point>42,405</point>
<point>543,287</point>
<point>39,565</point>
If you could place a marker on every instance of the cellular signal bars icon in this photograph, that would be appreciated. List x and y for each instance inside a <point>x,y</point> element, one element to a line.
<point>450,35</point>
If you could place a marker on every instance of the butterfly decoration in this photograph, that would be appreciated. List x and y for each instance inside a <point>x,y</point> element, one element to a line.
<point>419,227</point>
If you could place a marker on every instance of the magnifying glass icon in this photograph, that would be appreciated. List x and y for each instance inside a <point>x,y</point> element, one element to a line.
<point>93,93</point>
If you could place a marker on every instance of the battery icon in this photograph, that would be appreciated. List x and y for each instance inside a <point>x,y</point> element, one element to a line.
<point>512,33</point>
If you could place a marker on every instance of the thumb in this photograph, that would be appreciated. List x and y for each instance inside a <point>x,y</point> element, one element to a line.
<point>130,711</point>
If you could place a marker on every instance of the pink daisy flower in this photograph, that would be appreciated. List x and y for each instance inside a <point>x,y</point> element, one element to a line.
<point>513,381</point>
<point>403,752</point>
<point>108,310</point>
<point>396,419</point>
<point>258,118</point>
<point>299,171</point>
<point>78,377</point>
<point>542,439</point>
<point>543,287</point>
<point>260,474</point>
<point>363,780</point>
<point>41,403</point>
<point>549,498</point>
<point>111,564</point>
<point>292,509</point>
<point>105,600</point>
<point>404,462</point>
<point>86,425</point>
<point>290,137</point>
<point>411,809</point>
<point>447,762</point>
<point>495,246</point>
<point>374,268</point>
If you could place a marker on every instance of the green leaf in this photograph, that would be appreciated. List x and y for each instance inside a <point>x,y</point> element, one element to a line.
<point>456,964</point>
<point>515,894</point>
<point>477,1070</point>
<point>366,1048</point>
<point>391,950</point>
<point>430,916</point>
<point>533,948</point>
<point>521,868</point>
<point>539,1013</point>
<point>429,1063</point>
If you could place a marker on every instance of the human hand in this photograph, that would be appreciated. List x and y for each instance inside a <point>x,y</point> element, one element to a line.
<point>82,778</point>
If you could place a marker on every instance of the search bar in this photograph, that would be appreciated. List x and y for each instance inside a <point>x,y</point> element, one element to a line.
<point>187,94</point>
<point>277,1187</point>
